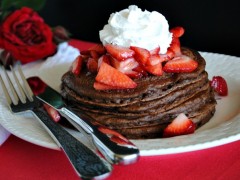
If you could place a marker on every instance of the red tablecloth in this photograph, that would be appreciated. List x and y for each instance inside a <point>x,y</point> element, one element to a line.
<point>22,160</point>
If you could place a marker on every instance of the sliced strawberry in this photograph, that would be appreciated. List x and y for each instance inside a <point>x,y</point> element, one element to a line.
<point>155,51</point>
<point>180,64</point>
<point>92,65</point>
<point>140,69</point>
<point>85,52</point>
<point>219,85</point>
<point>130,67</point>
<point>158,58</point>
<point>99,48</point>
<point>104,58</point>
<point>77,65</point>
<point>141,55</point>
<point>55,116</point>
<point>170,53</point>
<point>177,31</point>
<point>120,53</point>
<point>101,86</point>
<point>94,54</point>
<point>175,46</point>
<point>110,76</point>
<point>91,53</point>
<point>134,74</point>
<point>124,66</point>
<point>155,69</point>
<point>179,126</point>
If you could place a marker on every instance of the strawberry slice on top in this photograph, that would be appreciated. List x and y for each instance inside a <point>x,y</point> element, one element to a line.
<point>180,64</point>
<point>110,76</point>
<point>141,55</point>
<point>99,48</point>
<point>181,125</point>
<point>77,65</point>
<point>177,31</point>
<point>118,52</point>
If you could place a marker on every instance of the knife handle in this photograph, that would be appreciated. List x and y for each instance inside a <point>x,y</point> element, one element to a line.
<point>87,164</point>
<point>116,148</point>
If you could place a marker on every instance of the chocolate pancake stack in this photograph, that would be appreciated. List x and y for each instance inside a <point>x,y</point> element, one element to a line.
<point>145,111</point>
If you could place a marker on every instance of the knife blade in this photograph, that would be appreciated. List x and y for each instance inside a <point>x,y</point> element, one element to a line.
<point>116,153</point>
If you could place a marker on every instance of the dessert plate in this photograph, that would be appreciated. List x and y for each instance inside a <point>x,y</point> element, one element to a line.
<point>223,128</point>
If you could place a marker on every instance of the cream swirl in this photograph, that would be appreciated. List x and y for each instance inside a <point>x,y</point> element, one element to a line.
<point>134,27</point>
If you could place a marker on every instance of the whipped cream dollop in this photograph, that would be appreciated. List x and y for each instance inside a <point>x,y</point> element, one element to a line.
<point>134,27</point>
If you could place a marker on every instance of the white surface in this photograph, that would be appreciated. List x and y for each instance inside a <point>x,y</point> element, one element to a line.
<point>223,128</point>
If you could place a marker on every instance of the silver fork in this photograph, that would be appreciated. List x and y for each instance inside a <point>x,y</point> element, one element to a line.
<point>86,163</point>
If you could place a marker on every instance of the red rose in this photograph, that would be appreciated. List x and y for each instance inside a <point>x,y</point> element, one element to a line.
<point>26,36</point>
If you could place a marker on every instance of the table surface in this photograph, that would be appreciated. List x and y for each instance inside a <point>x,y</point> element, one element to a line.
<point>22,160</point>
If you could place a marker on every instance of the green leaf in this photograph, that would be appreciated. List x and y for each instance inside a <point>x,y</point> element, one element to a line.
<point>34,4</point>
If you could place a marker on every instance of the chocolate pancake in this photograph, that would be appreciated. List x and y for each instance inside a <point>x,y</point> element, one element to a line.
<point>145,111</point>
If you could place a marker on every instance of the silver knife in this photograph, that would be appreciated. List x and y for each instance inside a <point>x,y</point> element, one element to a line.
<point>116,153</point>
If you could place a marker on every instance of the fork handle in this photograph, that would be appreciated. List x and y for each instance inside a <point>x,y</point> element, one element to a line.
<point>86,163</point>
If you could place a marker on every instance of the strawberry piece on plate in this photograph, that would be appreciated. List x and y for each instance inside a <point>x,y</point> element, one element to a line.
<point>180,64</point>
<point>177,31</point>
<point>108,75</point>
<point>219,85</point>
<point>55,116</point>
<point>77,65</point>
<point>141,55</point>
<point>181,125</point>
<point>118,52</point>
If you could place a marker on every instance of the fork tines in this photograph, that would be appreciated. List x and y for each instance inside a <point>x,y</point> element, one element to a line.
<point>9,83</point>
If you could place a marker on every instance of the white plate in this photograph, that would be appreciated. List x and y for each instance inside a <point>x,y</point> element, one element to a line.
<point>223,128</point>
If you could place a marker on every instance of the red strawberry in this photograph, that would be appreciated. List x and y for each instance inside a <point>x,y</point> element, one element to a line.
<point>120,53</point>
<point>177,31</point>
<point>158,58</point>
<point>155,69</point>
<point>101,86</point>
<point>175,46</point>
<point>141,55</point>
<point>110,76</point>
<point>219,85</point>
<point>52,112</point>
<point>134,74</point>
<point>99,48</point>
<point>141,70</point>
<point>180,64</point>
<point>92,65</point>
<point>124,66</point>
<point>127,67</point>
<point>94,54</point>
<point>179,126</point>
<point>77,65</point>
<point>104,58</point>
<point>155,51</point>
<point>170,53</point>
<point>91,53</point>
